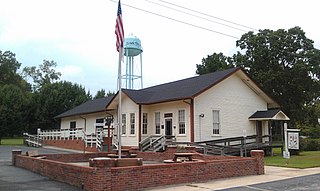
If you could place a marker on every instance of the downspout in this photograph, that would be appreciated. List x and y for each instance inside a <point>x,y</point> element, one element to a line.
<point>192,121</point>
<point>139,125</point>
<point>85,123</point>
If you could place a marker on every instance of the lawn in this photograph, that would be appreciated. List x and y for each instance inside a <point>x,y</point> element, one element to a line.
<point>306,159</point>
<point>12,141</point>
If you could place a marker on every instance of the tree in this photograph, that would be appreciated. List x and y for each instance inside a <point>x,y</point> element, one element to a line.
<point>110,93</point>
<point>100,94</point>
<point>9,71</point>
<point>45,74</point>
<point>55,98</point>
<point>13,110</point>
<point>287,67</point>
<point>213,63</point>
<point>285,64</point>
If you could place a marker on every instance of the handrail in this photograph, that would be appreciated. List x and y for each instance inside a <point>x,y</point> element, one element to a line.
<point>156,142</point>
<point>230,146</point>
<point>32,140</point>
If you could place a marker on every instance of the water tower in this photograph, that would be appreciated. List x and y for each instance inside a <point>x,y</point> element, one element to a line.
<point>133,57</point>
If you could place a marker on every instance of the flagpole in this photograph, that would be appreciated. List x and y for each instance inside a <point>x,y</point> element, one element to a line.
<point>119,103</point>
<point>120,38</point>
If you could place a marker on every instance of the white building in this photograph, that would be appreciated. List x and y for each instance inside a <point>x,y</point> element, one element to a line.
<point>212,106</point>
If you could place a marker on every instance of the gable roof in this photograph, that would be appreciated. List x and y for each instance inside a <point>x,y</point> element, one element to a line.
<point>90,106</point>
<point>273,114</point>
<point>172,91</point>
<point>178,90</point>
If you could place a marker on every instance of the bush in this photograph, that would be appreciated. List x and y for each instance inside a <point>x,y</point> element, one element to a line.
<point>310,144</point>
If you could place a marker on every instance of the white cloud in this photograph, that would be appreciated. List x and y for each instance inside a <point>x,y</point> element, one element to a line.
<point>79,34</point>
<point>70,70</point>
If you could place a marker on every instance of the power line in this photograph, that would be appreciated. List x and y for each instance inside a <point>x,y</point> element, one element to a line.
<point>195,16</point>
<point>176,20</point>
<point>209,15</point>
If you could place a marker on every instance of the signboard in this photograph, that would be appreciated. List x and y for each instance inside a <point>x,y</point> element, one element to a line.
<point>293,140</point>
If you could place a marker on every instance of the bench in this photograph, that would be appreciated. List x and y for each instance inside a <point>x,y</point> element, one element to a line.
<point>35,154</point>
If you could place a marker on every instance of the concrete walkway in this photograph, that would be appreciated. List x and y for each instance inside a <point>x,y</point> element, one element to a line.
<point>271,174</point>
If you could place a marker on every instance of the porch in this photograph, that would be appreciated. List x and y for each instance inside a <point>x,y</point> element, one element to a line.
<point>75,138</point>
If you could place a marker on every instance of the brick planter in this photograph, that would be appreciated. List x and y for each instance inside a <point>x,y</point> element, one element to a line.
<point>103,175</point>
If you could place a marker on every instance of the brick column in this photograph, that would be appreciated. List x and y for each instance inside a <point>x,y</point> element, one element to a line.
<point>14,154</point>
<point>100,178</point>
<point>259,156</point>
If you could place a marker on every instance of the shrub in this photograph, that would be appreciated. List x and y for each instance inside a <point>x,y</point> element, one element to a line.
<point>310,144</point>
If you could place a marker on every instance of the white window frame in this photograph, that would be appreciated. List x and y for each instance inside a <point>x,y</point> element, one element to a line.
<point>145,123</point>
<point>157,123</point>
<point>132,123</point>
<point>216,125</point>
<point>182,122</point>
<point>124,124</point>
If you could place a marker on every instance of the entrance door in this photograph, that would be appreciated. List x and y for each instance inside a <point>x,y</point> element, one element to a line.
<point>168,127</point>
<point>259,131</point>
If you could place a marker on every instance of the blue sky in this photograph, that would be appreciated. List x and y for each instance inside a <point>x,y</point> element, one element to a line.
<point>79,34</point>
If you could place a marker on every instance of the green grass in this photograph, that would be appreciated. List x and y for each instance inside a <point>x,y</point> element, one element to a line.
<point>12,141</point>
<point>307,159</point>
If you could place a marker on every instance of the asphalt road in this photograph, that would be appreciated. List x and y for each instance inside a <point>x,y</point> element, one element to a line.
<point>304,183</point>
<point>18,179</point>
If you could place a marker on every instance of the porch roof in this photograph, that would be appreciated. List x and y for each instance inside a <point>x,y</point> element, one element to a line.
<point>273,114</point>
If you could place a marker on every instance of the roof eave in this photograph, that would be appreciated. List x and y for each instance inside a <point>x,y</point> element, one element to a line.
<point>164,101</point>
<point>78,114</point>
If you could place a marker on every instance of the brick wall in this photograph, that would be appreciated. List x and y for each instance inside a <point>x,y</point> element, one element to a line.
<point>139,177</point>
<point>75,157</point>
<point>135,178</point>
<point>63,172</point>
<point>76,144</point>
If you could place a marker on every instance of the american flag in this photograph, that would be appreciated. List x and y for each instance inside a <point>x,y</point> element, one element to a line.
<point>119,28</point>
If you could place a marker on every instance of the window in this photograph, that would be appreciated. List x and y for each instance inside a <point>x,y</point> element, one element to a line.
<point>99,123</point>
<point>167,115</point>
<point>144,123</point>
<point>124,124</point>
<point>132,123</point>
<point>73,124</point>
<point>182,122</point>
<point>216,122</point>
<point>157,122</point>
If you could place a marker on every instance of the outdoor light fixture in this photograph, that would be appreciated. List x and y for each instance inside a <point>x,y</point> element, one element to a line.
<point>201,115</point>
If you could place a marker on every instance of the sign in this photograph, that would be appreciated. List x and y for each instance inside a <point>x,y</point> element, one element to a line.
<point>293,140</point>
<point>286,154</point>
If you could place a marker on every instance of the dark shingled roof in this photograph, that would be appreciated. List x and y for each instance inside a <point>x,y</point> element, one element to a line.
<point>91,106</point>
<point>182,89</point>
<point>178,90</point>
<point>265,114</point>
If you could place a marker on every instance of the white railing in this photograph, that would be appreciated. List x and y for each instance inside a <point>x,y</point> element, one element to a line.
<point>91,140</point>
<point>115,141</point>
<point>58,134</point>
<point>32,140</point>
